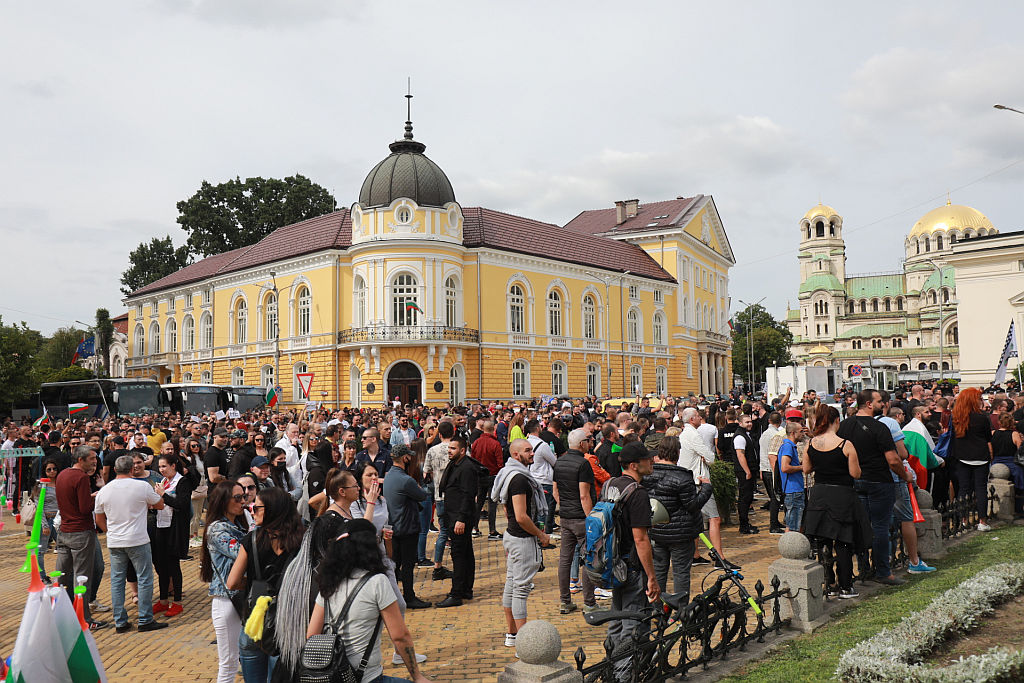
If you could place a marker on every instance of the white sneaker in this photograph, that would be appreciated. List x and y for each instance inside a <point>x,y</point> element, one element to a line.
<point>602,593</point>
<point>195,542</point>
<point>984,527</point>
<point>555,536</point>
<point>97,606</point>
<point>397,659</point>
<point>510,640</point>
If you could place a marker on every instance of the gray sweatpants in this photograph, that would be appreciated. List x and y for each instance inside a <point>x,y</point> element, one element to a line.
<point>522,560</point>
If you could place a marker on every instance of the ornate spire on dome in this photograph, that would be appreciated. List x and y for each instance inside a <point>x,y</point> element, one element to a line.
<point>408,144</point>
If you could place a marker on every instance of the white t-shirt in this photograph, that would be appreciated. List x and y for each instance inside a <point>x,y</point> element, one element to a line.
<point>374,596</point>
<point>739,443</point>
<point>709,433</point>
<point>125,502</point>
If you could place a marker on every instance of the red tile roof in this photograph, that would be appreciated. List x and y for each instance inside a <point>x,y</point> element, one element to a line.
<point>489,228</point>
<point>599,221</point>
<point>120,323</point>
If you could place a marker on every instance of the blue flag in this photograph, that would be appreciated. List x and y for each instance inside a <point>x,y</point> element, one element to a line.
<point>86,348</point>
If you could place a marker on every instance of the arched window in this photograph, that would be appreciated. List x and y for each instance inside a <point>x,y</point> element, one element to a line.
<point>661,380</point>
<point>636,379</point>
<point>455,394</point>
<point>171,330</point>
<point>863,306</point>
<point>633,325</point>
<point>270,316</point>
<point>154,337</point>
<point>140,341</point>
<point>267,376</point>
<point>849,307</point>
<point>206,377</point>
<point>554,313</point>
<point>186,377</point>
<point>700,317</point>
<point>558,378</point>
<point>938,242</point>
<point>922,366</point>
<point>589,318</point>
<point>897,343</point>
<point>945,365</point>
<point>297,394</point>
<point>904,367</point>
<point>933,366</point>
<point>516,310</point>
<point>206,331</point>
<point>188,334</point>
<point>899,303</point>
<point>358,302</point>
<point>945,295</point>
<point>238,377</point>
<point>520,379</point>
<point>888,305</point>
<point>593,379</point>
<point>304,313</point>
<point>874,305</point>
<point>686,311</point>
<point>241,321</point>
<point>405,300</point>
<point>451,302</point>
<point>953,335</point>
<point>658,329</point>
<point>927,244</point>
<point>355,387</point>
<point>819,229</point>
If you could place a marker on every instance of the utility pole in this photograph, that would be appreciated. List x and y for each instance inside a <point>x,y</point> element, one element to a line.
<point>750,339</point>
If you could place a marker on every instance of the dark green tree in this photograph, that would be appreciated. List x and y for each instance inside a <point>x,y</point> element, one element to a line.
<point>18,348</point>
<point>104,335</point>
<point>68,374</point>
<point>771,339</point>
<point>57,351</point>
<point>150,262</point>
<point>239,213</point>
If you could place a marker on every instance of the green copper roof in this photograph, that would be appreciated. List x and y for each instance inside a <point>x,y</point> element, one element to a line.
<point>877,330</point>
<point>870,286</point>
<point>820,257</point>
<point>900,355</point>
<point>837,252</point>
<point>948,279</point>
<point>819,281</point>
<point>793,315</point>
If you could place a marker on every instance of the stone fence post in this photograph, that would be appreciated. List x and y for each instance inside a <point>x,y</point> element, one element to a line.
<point>929,532</point>
<point>1002,481</point>
<point>538,645</point>
<point>805,578</point>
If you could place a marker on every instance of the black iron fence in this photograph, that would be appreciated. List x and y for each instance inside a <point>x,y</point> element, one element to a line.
<point>961,513</point>
<point>672,641</point>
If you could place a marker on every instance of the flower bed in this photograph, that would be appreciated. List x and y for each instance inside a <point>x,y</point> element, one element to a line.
<point>895,653</point>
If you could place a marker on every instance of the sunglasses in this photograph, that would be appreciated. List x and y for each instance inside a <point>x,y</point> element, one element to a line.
<point>238,498</point>
<point>249,488</point>
<point>258,507</point>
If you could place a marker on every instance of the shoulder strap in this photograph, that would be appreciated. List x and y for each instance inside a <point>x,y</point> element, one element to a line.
<point>256,557</point>
<point>369,646</point>
<point>348,603</point>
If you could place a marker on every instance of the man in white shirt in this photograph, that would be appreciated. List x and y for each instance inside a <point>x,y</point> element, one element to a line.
<point>542,469</point>
<point>707,431</point>
<point>434,466</point>
<point>289,444</point>
<point>696,456</point>
<point>769,444</point>
<point>121,507</point>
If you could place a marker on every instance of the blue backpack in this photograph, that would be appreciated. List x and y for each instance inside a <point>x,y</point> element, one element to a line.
<point>942,445</point>
<point>599,553</point>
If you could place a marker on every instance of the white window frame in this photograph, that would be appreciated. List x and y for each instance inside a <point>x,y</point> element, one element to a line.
<point>188,333</point>
<point>296,387</point>
<point>267,375</point>
<point>520,378</point>
<point>405,288</point>
<point>271,318</point>
<point>451,301</point>
<point>517,309</point>
<point>304,314</point>
<point>556,311</point>
<point>593,379</point>
<point>238,376</point>
<point>636,380</point>
<point>559,378</point>
<point>359,302</point>
<point>661,380</point>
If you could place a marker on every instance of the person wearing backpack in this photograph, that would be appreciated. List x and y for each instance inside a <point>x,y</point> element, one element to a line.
<point>524,501</point>
<point>632,520</point>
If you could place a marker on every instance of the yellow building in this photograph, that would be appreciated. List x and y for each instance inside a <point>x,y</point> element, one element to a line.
<point>408,294</point>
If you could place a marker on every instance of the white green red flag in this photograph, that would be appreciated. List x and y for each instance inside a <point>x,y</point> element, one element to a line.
<point>78,645</point>
<point>411,306</point>
<point>45,418</point>
<point>76,408</point>
<point>271,397</point>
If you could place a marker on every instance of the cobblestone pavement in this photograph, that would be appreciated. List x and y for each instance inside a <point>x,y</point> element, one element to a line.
<point>462,643</point>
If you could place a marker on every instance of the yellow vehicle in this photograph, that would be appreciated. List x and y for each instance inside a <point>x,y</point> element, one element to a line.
<point>656,403</point>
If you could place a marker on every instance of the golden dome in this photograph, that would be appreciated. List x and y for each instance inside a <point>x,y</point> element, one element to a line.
<point>951,217</point>
<point>820,348</point>
<point>821,210</point>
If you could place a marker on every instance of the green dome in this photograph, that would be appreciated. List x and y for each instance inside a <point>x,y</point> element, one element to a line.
<point>933,280</point>
<point>821,281</point>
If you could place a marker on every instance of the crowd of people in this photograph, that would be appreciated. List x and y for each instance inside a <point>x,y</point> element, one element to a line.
<point>298,521</point>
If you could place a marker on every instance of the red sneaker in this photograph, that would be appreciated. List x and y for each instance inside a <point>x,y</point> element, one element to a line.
<point>174,610</point>
<point>160,606</point>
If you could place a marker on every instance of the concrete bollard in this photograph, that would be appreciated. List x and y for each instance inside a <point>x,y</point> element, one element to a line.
<point>929,532</point>
<point>538,645</point>
<point>804,578</point>
<point>1002,482</point>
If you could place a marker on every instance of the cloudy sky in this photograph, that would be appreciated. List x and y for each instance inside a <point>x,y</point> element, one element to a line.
<point>114,111</point>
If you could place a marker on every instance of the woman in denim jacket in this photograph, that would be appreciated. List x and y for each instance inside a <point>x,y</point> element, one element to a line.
<point>224,529</point>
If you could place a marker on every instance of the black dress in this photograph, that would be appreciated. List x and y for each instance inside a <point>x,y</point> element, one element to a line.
<point>834,510</point>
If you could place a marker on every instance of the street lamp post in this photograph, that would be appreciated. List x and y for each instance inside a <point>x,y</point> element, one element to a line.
<point>277,333</point>
<point>607,280</point>
<point>1004,107</point>
<point>750,340</point>
<point>938,297</point>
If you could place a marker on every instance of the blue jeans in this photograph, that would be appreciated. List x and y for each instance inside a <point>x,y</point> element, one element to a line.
<point>879,499</point>
<point>794,510</point>
<point>141,558</point>
<point>550,498</point>
<point>442,533</point>
<point>44,545</point>
<point>426,514</point>
<point>257,666</point>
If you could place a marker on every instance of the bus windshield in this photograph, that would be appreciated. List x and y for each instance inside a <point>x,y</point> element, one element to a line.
<point>202,400</point>
<point>138,399</point>
<point>249,399</point>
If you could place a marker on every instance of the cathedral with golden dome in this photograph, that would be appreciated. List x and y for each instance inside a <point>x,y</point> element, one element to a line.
<point>906,318</point>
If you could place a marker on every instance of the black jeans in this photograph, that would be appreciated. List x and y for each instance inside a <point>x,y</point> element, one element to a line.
<point>974,478</point>
<point>745,489</point>
<point>463,562</point>
<point>768,479</point>
<point>404,550</point>
<point>167,564</point>
<point>483,498</point>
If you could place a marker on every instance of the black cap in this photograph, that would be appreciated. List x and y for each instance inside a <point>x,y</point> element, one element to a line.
<point>259,461</point>
<point>634,451</point>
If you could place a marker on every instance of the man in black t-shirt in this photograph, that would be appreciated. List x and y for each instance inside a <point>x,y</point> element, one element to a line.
<point>215,460</point>
<point>520,493</point>
<point>575,494</point>
<point>633,512</point>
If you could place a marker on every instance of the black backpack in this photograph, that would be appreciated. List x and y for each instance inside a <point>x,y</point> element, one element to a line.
<point>323,658</point>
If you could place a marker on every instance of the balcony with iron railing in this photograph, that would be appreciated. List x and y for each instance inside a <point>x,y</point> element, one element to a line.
<point>408,333</point>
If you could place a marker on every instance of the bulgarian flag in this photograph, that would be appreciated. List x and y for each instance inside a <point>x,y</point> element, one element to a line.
<point>75,408</point>
<point>41,420</point>
<point>411,306</point>
<point>271,397</point>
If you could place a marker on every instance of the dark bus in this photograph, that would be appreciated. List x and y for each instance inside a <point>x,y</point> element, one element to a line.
<point>196,398</point>
<point>102,398</point>
<point>249,398</point>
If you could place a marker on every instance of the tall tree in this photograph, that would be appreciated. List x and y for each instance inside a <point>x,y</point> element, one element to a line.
<point>239,213</point>
<point>150,262</point>
<point>104,336</point>
<point>57,351</point>
<point>19,346</point>
<point>770,337</point>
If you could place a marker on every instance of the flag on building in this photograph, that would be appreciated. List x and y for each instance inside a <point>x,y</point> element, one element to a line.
<point>45,418</point>
<point>731,328</point>
<point>1009,351</point>
<point>86,348</point>
<point>411,306</point>
<point>271,397</point>
<point>75,408</point>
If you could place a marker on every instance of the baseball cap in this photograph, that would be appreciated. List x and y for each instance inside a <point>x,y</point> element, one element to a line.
<point>794,414</point>
<point>634,451</point>
<point>239,434</point>
<point>259,461</point>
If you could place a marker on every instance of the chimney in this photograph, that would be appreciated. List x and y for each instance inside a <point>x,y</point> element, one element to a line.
<point>620,213</point>
<point>626,209</point>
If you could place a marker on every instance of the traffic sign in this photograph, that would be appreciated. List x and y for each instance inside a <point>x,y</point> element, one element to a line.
<point>305,382</point>
<point>856,371</point>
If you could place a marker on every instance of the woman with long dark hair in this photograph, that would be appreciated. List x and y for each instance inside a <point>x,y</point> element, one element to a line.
<point>972,448</point>
<point>192,451</point>
<point>273,544</point>
<point>223,530</point>
<point>350,559</point>
<point>1006,442</point>
<point>170,533</point>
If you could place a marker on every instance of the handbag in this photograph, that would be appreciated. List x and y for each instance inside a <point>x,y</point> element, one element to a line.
<point>28,510</point>
<point>258,588</point>
<point>237,599</point>
<point>323,658</point>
